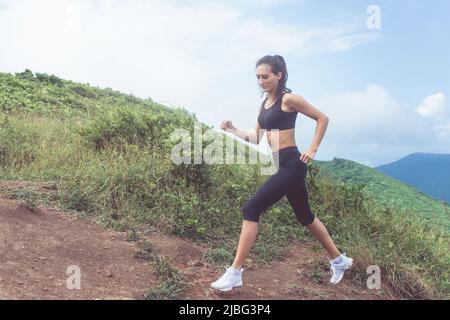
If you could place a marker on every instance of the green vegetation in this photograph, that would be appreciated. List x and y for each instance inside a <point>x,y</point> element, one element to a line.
<point>171,281</point>
<point>388,191</point>
<point>109,157</point>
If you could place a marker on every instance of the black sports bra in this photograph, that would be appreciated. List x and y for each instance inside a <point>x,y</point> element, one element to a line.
<point>275,117</point>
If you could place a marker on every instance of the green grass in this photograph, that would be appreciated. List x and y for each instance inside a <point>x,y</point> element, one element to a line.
<point>388,191</point>
<point>171,281</point>
<point>108,156</point>
<point>145,251</point>
<point>218,256</point>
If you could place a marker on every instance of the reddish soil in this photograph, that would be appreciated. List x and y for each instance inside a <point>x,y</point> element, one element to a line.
<point>38,244</point>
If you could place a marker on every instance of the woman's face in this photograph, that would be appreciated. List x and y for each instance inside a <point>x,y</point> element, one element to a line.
<point>267,80</point>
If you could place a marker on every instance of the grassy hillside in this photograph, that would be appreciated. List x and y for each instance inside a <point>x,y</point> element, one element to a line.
<point>388,191</point>
<point>108,155</point>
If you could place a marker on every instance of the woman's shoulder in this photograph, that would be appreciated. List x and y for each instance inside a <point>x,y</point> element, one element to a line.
<point>287,96</point>
<point>288,91</point>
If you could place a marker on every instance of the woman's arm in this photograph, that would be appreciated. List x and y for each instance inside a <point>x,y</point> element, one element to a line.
<point>298,103</point>
<point>249,136</point>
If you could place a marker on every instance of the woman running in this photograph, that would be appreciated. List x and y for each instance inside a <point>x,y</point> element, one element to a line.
<point>278,112</point>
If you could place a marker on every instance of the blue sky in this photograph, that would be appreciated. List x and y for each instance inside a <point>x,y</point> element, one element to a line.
<point>411,56</point>
<point>385,91</point>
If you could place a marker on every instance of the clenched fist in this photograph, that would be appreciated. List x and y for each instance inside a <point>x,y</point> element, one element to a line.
<point>227,125</point>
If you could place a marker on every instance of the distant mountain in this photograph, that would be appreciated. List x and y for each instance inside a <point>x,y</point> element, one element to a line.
<point>427,172</point>
<point>391,191</point>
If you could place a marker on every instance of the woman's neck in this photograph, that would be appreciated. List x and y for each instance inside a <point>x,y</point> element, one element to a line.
<point>271,96</point>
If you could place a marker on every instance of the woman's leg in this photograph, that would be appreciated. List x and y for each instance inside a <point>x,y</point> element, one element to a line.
<point>298,197</point>
<point>320,232</point>
<point>232,277</point>
<point>269,193</point>
<point>299,200</point>
<point>249,232</point>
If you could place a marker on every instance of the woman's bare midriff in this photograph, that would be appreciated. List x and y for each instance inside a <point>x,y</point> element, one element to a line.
<point>286,138</point>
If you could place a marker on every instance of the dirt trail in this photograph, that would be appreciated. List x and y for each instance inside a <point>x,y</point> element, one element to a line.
<point>38,245</point>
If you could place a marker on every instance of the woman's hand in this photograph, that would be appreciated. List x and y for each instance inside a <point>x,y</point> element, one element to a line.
<point>227,125</point>
<point>308,155</point>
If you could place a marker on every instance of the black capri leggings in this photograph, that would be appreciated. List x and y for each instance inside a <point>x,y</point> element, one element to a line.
<point>289,181</point>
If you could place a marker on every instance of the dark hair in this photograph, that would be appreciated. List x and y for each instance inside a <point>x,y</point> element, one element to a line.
<point>277,64</point>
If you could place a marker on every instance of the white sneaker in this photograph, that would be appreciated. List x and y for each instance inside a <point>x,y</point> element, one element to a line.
<point>230,279</point>
<point>338,270</point>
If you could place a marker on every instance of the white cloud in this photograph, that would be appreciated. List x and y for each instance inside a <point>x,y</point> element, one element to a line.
<point>195,54</point>
<point>261,4</point>
<point>4,4</point>
<point>433,107</point>
<point>371,124</point>
<point>443,130</point>
<point>172,52</point>
<point>372,115</point>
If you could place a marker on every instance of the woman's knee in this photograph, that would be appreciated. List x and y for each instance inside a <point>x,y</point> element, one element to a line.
<point>305,218</point>
<point>250,213</point>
